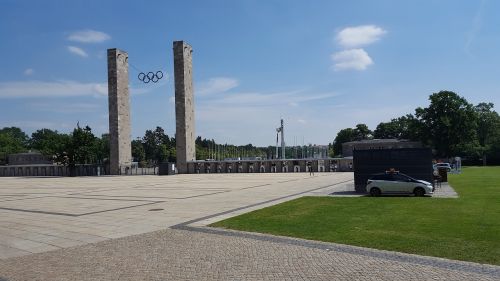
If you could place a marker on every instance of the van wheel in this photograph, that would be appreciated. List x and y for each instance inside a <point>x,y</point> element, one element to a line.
<point>419,192</point>
<point>375,192</point>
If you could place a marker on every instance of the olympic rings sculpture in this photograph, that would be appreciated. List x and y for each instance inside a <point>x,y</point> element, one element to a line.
<point>150,76</point>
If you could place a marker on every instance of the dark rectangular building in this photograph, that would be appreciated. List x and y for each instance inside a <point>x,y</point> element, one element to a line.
<point>415,162</point>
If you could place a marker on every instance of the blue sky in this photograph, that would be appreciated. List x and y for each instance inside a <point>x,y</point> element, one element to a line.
<point>320,65</point>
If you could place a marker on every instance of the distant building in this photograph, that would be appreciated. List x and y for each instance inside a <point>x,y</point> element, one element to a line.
<point>28,158</point>
<point>348,147</point>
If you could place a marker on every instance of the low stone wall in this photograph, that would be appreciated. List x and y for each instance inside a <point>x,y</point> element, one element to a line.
<point>270,166</point>
<point>194,167</point>
<point>50,171</point>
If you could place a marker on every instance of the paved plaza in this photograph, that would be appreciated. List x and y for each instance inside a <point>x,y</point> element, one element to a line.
<point>43,214</point>
<point>154,228</point>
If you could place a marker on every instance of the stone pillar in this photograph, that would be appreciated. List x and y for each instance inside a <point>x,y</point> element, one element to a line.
<point>119,112</point>
<point>184,105</point>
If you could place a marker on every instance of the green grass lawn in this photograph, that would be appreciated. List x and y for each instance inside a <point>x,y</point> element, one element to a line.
<point>467,228</point>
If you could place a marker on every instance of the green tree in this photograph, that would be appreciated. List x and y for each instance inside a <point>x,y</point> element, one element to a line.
<point>16,133</point>
<point>138,152</point>
<point>344,135</point>
<point>80,148</point>
<point>163,152</point>
<point>409,127</point>
<point>101,148</point>
<point>488,128</point>
<point>153,141</point>
<point>387,130</point>
<point>331,151</point>
<point>205,148</point>
<point>150,144</point>
<point>405,127</point>
<point>448,123</point>
<point>361,132</point>
<point>48,142</point>
<point>172,156</point>
<point>12,140</point>
<point>9,145</point>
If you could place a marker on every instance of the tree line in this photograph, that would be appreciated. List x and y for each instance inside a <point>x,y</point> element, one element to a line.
<point>81,146</point>
<point>450,125</point>
<point>77,147</point>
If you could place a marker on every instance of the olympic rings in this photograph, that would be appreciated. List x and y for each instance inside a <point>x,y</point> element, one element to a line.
<point>150,76</point>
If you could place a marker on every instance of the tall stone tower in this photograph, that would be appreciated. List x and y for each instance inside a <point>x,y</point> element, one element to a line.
<point>184,105</point>
<point>119,112</point>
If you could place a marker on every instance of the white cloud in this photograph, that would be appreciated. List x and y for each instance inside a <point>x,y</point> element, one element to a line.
<point>29,71</point>
<point>88,36</point>
<point>29,124</point>
<point>138,91</point>
<point>144,89</point>
<point>217,85</point>
<point>358,36</point>
<point>77,51</point>
<point>243,124</point>
<point>341,105</point>
<point>258,115</point>
<point>356,59</point>
<point>262,100</point>
<point>27,89</point>
<point>100,89</point>
<point>65,107</point>
<point>256,99</point>
<point>62,88</point>
<point>477,23</point>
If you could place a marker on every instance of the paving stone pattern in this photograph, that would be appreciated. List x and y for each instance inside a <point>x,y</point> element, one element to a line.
<point>104,229</point>
<point>444,190</point>
<point>44,214</point>
<point>191,255</point>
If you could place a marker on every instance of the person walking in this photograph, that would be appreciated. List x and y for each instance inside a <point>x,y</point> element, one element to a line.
<point>309,166</point>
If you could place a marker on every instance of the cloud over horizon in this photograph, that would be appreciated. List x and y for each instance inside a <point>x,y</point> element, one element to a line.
<point>259,109</point>
<point>77,51</point>
<point>355,59</point>
<point>28,71</point>
<point>27,89</point>
<point>351,39</point>
<point>357,36</point>
<point>88,36</point>
<point>217,85</point>
<point>65,107</point>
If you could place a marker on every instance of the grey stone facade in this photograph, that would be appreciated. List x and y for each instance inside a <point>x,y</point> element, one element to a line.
<point>184,105</point>
<point>119,112</point>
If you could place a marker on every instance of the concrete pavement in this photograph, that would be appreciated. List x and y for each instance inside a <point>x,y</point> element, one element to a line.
<point>154,228</point>
<point>44,214</point>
